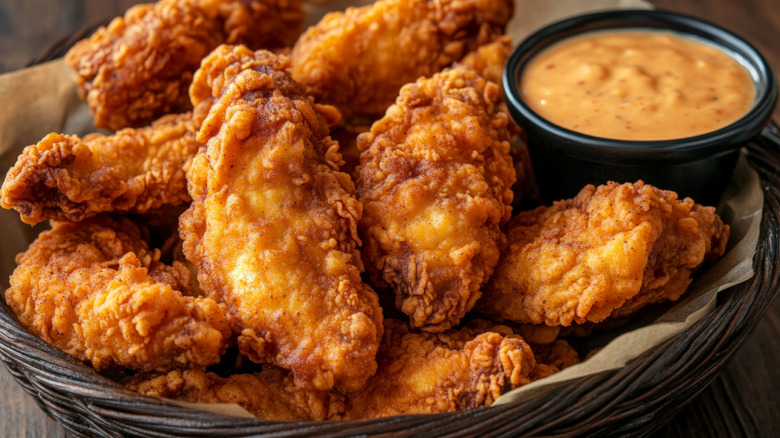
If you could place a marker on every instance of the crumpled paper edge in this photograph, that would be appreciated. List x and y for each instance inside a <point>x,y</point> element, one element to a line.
<point>229,409</point>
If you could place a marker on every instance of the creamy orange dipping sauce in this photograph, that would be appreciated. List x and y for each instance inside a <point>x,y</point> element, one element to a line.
<point>637,85</point>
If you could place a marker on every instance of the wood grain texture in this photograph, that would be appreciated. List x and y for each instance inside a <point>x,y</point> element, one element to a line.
<point>743,401</point>
<point>20,415</point>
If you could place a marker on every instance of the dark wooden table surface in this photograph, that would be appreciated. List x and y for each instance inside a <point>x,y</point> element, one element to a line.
<point>743,401</point>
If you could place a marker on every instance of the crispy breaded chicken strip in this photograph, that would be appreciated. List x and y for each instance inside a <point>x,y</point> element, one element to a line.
<point>269,395</point>
<point>273,225</point>
<point>434,181</point>
<point>489,60</point>
<point>132,171</point>
<point>94,290</point>
<point>358,60</point>
<point>427,373</point>
<point>140,66</point>
<point>607,252</point>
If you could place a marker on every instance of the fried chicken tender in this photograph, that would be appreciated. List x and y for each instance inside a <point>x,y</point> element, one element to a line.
<point>489,60</point>
<point>359,59</point>
<point>94,290</point>
<point>269,395</point>
<point>132,171</point>
<point>428,373</point>
<point>273,225</point>
<point>607,252</point>
<point>435,180</point>
<point>140,66</point>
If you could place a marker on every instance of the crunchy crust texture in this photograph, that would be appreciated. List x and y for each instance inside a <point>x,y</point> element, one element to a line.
<point>269,395</point>
<point>273,224</point>
<point>607,252</point>
<point>140,66</point>
<point>94,290</point>
<point>132,171</point>
<point>357,60</point>
<point>435,180</point>
<point>444,372</point>
<point>488,60</point>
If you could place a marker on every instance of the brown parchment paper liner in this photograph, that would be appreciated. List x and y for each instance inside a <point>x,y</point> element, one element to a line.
<point>43,99</point>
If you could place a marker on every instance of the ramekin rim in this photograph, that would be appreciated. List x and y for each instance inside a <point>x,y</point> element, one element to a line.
<point>759,114</point>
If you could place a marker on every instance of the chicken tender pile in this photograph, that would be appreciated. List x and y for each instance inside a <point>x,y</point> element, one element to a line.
<point>325,236</point>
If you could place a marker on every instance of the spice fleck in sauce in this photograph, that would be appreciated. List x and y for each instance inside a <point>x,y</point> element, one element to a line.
<point>637,85</point>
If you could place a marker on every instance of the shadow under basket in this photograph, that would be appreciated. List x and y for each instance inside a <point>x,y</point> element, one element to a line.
<point>634,400</point>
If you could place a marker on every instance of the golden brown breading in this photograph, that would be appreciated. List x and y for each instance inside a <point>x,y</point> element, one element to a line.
<point>140,66</point>
<point>95,290</point>
<point>489,60</point>
<point>270,394</point>
<point>358,60</point>
<point>609,251</point>
<point>427,373</point>
<point>434,181</point>
<point>132,171</point>
<point>273,225</point>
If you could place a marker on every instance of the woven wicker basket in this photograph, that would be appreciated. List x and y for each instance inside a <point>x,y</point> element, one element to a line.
<point>636,400</point>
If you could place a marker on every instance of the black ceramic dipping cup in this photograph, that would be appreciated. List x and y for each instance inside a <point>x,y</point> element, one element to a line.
<point>699,167</point>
